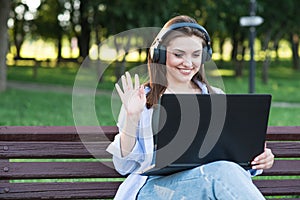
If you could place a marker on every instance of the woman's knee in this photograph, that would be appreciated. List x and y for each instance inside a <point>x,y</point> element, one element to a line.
<point>226,169</point>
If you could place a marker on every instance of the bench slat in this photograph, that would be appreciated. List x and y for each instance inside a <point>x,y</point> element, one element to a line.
<point>56,133</point>
<point>20,170</point>
<point>105,169</point>
<point>108,189</point>
<point>284,167</point>
<point>285,149</point>
<point>75,190</point>
<point>69,133</point>
<point>77,149</point>
<point>278,187</point>
<point>283,133</point>
<point>53,150</point>
<point>44,170</point>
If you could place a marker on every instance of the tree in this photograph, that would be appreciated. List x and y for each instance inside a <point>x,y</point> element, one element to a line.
<point>21,26</point>
<point>47,19</point>
<point>4,12</point>
<point>278,25</point>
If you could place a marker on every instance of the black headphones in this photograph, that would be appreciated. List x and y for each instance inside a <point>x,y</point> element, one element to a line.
<point>158,53</point>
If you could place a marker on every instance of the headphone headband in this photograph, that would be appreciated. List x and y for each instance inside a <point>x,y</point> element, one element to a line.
<point>158,53</point>
<point>175,26</point>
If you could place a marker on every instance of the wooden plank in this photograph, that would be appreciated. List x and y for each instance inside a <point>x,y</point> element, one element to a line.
<point>57,133</point>
<point>3,163</point>
<point>54,150</point>
<point>27,170</point>
<point>69,133</point>
<point>74,149</point>
<point>75,190</point>
<point>279,187</point>
<point>108,189</point>
<point>284,167</point>
<point>283,133</point>
<point>285,149</point>
<point>44,170</point>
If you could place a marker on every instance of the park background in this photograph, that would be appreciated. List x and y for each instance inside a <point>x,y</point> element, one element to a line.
<point>45,42</point>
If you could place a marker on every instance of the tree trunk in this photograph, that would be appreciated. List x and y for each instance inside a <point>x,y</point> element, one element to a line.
<point>295,47</point>
<point>234,51</point>
<point>59,47</point>
<point>4,12</point>
<point>265,69</point>
<point>85,35</point>
<point>222,41</point>
<point>239,63</point>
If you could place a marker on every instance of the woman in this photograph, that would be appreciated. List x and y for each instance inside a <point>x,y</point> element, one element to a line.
<point>175,65</point>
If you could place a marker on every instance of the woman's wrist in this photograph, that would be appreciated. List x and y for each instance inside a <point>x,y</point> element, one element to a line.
<point>131,125</point>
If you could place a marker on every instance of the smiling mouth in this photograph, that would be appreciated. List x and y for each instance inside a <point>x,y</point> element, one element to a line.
<point>185,71</point>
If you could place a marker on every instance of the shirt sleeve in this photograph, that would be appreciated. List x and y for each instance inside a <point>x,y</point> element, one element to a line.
<point>217,90</point>
<point>255,172</point>
<point>125,164</point>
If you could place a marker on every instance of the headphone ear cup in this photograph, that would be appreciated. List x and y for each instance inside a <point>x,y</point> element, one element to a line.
<point>159,55</point>
<point>162,55</point>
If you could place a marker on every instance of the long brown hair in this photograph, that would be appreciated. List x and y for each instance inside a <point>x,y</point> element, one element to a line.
<point>157,72</point>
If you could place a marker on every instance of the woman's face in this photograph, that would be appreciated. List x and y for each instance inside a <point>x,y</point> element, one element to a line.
<point>184,56</point>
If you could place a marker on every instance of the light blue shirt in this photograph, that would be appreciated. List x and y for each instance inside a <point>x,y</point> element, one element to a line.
<point>142,153</point>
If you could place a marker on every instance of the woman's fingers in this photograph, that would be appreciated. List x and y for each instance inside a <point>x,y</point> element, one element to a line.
<point>136,82</point>
<point>127,85</point>
<point>264,160</point>
<point>129,81</point>
<point>120,92</point>
<point>124,83</point>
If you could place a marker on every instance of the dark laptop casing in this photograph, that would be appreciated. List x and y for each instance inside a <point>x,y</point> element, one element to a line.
<point>191,130</point>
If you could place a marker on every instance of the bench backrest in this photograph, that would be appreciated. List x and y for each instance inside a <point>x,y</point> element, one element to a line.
<point>56,162</point>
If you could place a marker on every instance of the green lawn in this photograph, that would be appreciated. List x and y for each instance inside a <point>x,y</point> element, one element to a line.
<point>20,107</point>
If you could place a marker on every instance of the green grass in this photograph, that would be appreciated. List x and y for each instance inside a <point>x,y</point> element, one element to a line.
<point>283,82</point>
<point>55,109</point>
<point>24,108</point>
<point>48,108</point>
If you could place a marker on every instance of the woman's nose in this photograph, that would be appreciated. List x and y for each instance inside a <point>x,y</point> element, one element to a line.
<point>188,62</point>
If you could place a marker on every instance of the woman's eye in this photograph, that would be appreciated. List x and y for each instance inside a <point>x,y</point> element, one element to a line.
<point>196,55</point>
<point>178,55</point>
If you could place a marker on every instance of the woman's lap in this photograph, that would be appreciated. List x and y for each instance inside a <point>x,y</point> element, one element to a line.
<point>217,180</point>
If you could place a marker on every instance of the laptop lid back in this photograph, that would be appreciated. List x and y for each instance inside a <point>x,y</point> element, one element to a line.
<point>198,129</point>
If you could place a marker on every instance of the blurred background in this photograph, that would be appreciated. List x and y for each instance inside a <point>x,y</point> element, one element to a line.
<point>44,43</point>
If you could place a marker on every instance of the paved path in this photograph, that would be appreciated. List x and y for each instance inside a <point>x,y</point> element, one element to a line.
<point>50,88</point>
<point>69,90</point>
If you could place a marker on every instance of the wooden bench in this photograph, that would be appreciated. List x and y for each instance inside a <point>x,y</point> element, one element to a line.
<point>31,165</point>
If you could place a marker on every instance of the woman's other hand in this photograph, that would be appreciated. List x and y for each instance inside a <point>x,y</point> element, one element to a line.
<point>263,161</point>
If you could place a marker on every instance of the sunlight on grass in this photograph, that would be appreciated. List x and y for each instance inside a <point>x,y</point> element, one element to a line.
<point>222,72</point>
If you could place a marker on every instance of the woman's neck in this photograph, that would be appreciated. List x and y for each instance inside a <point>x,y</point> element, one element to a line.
<point>183,88</point>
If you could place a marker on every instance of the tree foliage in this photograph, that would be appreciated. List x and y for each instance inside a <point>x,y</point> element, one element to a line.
<point>90,21</point>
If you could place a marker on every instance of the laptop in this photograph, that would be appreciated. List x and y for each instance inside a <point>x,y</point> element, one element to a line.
<point>193,129</point>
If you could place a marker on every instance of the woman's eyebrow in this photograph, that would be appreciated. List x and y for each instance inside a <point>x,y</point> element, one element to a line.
<point>180,50</point>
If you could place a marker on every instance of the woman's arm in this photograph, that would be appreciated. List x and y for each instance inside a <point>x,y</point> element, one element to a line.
<point>128,134</point>
<point>133,100</point>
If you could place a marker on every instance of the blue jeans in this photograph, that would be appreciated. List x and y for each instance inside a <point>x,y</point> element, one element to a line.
<point>217,180</point>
